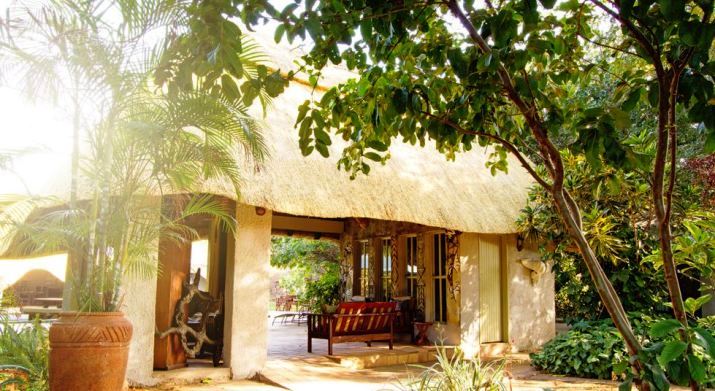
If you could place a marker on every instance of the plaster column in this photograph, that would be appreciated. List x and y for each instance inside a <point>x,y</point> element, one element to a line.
<point>469,295</point>
<point>247,294</point>
<point>532,313</point>
<point>138,302</point>
<point>139,306</point>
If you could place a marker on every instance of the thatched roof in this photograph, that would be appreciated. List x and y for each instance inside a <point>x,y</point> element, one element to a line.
<point>417,185</point>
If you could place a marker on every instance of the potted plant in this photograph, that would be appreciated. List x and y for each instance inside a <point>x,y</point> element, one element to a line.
<point>142,143</point>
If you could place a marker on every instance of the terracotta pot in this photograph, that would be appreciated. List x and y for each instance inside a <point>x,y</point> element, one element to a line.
<point>89,351</point>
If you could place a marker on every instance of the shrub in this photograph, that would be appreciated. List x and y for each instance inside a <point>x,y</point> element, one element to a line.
<point>595,349</point>
<point>456,373</point>
<point>325,290</point>
<point>27,347</point>
<point>590,349</point>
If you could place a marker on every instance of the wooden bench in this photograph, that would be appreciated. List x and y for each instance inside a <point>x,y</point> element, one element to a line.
<point>353,322</point>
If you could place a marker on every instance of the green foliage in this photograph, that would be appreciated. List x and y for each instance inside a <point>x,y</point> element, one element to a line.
<point>26,346</point>
<point>323,291</point>
<point>693,250</point>
<point>452,372</point>
<point>589,349</point>
<point>214,56</point>
<point>315,272</point>
<point>287,252</point>
<point>594,349</point>
<point>8,299</point>
<point>618,228</point>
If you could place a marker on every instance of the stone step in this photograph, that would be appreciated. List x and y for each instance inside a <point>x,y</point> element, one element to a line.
<point>400,355</point>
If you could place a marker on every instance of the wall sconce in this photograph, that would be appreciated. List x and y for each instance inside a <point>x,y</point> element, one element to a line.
<point>519,242</point>
<point>536,268</point>
<point>260,210</point>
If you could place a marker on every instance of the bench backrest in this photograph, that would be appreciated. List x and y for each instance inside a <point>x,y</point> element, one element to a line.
<point>351,325</point>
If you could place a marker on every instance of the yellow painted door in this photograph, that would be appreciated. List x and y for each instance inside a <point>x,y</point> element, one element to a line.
<point>490,289</point>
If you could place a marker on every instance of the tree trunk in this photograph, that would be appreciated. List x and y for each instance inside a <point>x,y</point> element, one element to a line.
<point>565,205</point>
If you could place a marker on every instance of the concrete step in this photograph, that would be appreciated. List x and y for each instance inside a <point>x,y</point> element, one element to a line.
<point>400,355</point>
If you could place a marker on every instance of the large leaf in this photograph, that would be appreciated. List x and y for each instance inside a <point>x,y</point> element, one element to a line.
<point>671,351</point>
<point>697,369</point>
<point>664,327</point>
<point>706,340</point>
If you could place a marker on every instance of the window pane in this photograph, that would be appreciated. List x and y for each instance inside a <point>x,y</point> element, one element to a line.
<point>443,282</point>
<point>437,301</point>
<point>436,255</point>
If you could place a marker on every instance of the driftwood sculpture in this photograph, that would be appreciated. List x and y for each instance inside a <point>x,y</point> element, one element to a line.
<point>194,301</point>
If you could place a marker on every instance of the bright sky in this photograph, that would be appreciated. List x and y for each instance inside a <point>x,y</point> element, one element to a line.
<point>36,125</point>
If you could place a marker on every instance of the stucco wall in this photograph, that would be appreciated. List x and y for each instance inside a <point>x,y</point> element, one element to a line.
<point>532,315</point>
<point>247,294</point>
<point>139,307</point>
<point>469,301</point>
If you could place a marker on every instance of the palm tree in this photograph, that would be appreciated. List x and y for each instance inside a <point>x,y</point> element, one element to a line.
<point>142,142</point>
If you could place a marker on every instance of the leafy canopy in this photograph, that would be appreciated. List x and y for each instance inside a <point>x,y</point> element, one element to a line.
<point>419,76</point>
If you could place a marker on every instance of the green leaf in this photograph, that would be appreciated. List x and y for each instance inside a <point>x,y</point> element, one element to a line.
<point>692,305</point>
<point>289,9</point>
<point>621,119</point>
<point>706,341</point>
<point>672,9</point>
<point>696,367</point>
<point>365,168</point>
<point>229,87</point>
<point>671,351</point>
<point>366,29</point>
<point>322,149</point>
<point>548,4</point>
<point>377,145</point>
<point>278,35</point>
<point>664,327</point>
<point>458,62</point>
<point>653,97</point>
<point>302,111</point>
<point>626,385</point>
<point>626,8</point>
<point>709,146</point>
<point>373,156</point>
<point>322,136</point>
<point>399,100</point>
<point>313,27</point>
<point>632,99</point>
<point>659,379</point>
<point>689,33</point>
<point>363,86</point>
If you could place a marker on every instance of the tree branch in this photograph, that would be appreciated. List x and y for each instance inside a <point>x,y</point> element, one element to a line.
<point>653,53</point>
<point>603,45</point>
<point>552,157</point>
<point>506,144</point>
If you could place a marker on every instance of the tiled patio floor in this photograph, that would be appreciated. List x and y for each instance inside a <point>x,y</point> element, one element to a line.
<point>290,367</point>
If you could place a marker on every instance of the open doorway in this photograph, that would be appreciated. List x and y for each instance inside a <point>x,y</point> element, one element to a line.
<point>305,278</point>
<point>190,297</point>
